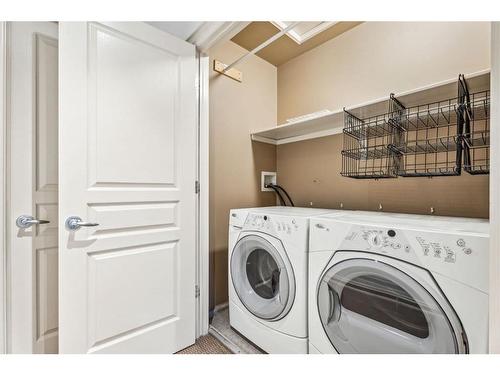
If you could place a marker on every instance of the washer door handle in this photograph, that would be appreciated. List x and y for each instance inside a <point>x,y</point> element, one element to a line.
<point>275,281</point>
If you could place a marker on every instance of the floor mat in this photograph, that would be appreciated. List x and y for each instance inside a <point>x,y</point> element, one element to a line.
<point>206,345</point>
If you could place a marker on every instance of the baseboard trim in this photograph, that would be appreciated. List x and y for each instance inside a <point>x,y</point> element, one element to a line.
<point>220,307</point>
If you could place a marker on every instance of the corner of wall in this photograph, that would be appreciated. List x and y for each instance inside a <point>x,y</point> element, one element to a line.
<point>237,109</point>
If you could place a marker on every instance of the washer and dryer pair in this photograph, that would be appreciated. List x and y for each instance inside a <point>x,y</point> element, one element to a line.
<point>323,281</point>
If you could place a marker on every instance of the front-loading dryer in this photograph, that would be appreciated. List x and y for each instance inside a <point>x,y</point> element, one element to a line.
<point>394,283</point>
<point>268,276</point>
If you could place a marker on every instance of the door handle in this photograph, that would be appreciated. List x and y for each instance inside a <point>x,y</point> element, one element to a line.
<point>26,221</point>
<point>75,223</point>
<point>334,303</point>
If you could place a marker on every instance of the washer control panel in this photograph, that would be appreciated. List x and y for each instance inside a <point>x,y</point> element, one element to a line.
<point>255,221</point>
<point>278,225</point>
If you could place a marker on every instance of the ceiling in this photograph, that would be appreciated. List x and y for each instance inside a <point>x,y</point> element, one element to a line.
<point>303,31</point>
<point>302,38</point>
<point>182,29</point>
<point>202,34</point>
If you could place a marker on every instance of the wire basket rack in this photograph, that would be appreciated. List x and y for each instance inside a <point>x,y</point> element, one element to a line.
<point>427,140</point>
<point>431,142</point>
<point>365,151</point>
<point>476,134</point>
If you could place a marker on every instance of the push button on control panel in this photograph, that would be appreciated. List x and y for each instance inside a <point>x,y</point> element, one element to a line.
<point>461,242</point>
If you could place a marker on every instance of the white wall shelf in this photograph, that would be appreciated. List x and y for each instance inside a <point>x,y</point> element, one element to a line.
<point>332,123</point>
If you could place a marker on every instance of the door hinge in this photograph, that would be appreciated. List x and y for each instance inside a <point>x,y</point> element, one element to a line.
<point>197,187</point>
<point>196,291</point>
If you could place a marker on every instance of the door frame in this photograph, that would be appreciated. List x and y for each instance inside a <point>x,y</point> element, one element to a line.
<point>202,230</point>
<point>202,252</point>
<point>3,186</point>
<point>494,284</point>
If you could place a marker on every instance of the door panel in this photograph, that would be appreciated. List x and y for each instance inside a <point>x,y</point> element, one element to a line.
<point>47,113</point>
<point>157,275</point>
<point>47,310</point>
<point>128,146</point>
<point>135,86</point>
<point>33,312</point>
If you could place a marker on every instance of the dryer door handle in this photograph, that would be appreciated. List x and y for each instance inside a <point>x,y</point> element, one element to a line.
<point>334,304</point>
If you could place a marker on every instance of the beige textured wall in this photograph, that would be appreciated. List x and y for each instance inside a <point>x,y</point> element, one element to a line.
<point>235,162</point>
<point>377,58</point>
<point>366,63</point>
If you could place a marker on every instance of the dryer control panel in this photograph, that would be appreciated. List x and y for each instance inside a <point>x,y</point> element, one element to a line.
<point>460,255</point>
<point>379,240</point>
<point>398,243</point>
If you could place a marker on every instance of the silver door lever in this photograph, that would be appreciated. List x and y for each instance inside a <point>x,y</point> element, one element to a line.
<point>75,223</point>
<point>26,221</point>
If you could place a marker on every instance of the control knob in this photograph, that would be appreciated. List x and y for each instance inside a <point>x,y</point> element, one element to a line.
<point>375,240</point>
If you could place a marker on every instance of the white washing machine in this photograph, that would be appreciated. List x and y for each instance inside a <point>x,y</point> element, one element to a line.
<point>393,283</point>
<point>268,276</point>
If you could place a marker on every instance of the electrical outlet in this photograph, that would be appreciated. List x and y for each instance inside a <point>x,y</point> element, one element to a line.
<point>267,178</point>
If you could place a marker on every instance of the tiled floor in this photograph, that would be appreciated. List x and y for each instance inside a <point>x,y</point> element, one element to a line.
<point>221,329</point>
<point>222,339</point>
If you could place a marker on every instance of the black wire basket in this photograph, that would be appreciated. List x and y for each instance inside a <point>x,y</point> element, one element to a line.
<point>430,140</point>
<point>476,134</point>
<point>365,151</point>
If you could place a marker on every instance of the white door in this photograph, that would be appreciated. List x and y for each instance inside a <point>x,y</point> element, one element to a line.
<point>32,250</point>
<point>127,142</point>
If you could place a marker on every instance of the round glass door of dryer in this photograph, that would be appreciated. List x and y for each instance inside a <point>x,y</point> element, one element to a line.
<point>367,306</point>
<point>262,276</point>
